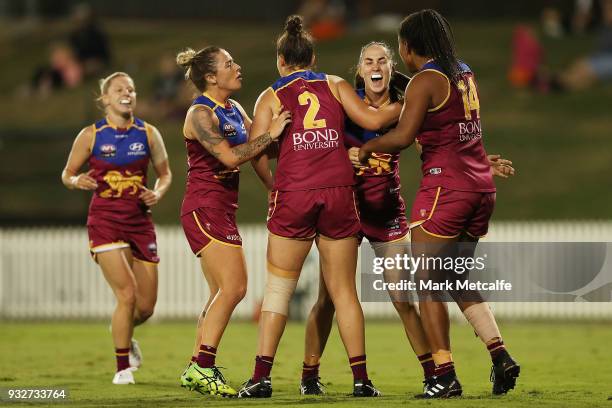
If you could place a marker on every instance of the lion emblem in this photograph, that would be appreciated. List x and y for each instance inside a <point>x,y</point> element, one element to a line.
<point>119,183</point>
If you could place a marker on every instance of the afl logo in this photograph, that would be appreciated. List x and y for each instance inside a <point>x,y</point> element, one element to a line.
<point>229,130</point>
<point>108,150</point>
<point>137,147</point>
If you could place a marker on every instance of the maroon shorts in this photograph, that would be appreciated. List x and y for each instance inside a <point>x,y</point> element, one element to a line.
<point>108,236</point>
<point>206,225</point>
<point>447,213</point>
<point>331,212</point>
<point>382,212</point>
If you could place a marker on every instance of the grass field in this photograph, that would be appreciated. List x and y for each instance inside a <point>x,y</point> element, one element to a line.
<point>563,365</point>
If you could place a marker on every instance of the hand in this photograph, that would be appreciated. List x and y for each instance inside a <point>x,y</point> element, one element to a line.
<point>500,167</point>
<point>363,156</point>
<point>84,181</point>
<point>279,121</point>
<point>353,153</point>
<point>149,197</point>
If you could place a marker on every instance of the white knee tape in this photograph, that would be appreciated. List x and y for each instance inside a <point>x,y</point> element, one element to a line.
<point>278,294</point>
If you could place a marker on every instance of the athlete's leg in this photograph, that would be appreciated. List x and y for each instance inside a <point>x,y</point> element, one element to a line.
<point>318,324</point>
<point>404,306</point>
<point>434,312</point>
<point>213,288</point>
<point>285,260</point>
<point>117,272</point>
<point>339,260</point>
<point>226,265</point>
<point>146,294</point>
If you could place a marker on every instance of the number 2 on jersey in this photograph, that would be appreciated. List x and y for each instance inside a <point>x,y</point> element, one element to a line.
<point>310,99</point>
<point>470,98</point>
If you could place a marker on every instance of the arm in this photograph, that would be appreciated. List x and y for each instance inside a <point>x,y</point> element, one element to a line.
<point>262,117</point>
<point>79,154</point>
<point>204,127</point>
<point>416,103</point>
<point>359,111</point>
<point>159,157</point>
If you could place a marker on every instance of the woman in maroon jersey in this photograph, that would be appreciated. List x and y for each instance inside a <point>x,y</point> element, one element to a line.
<point>382,215</point>
<point>215,134</point>
<point>457,194</point>
<point>312,200</point>
<point>122,240</point>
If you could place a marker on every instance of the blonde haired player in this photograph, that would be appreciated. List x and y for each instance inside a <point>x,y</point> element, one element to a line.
<point>118,150</point>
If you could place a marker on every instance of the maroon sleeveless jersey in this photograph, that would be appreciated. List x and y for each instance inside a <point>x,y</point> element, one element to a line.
<point>119,160</point>
<point>451,135</point>
<point>312,153</point>
<point>209,182</point>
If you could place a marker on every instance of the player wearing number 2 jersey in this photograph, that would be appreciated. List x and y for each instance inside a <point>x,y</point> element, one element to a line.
<point>312,199</point>
<point>457,193</point>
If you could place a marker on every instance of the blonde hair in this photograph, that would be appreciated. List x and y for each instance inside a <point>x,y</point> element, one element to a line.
<point>198,64</point>
<point>105,84</point>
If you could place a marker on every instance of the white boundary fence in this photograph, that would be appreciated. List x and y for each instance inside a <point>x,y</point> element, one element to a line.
<point>46,273</point>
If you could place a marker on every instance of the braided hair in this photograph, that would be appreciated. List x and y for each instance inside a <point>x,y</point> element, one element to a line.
<point>430,35</point>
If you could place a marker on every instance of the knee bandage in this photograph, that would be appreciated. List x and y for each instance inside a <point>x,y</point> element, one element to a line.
<point>482,320</point>
<point>280,286</point>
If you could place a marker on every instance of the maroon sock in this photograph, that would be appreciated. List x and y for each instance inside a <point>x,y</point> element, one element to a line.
<point>206,357</point>
<point>496,349</point>
<point>428,364</point>
<point>194,359</point>
<point>310,371</point>
<point>123,358</point>
<point>263,367</point>
<point>444,369</point>
<point>358,365</point>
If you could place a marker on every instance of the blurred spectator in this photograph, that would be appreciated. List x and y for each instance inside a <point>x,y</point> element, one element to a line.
<point>171,93</point>
<point>324,18</point>
<point>63,71</point>
<point>89,42</point>
<point>527,56</point>
<point>587,70</point>
<point>585,16</point>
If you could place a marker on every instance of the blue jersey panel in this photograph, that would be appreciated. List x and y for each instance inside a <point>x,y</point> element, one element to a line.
<point>231,123</point>
<point>120,146</point>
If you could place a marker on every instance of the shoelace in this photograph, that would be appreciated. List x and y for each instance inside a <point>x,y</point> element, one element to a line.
<point>310,386</point>
<point>218,373</point>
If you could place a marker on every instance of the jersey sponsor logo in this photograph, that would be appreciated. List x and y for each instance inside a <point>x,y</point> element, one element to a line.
<point>121,135</point>
<point>435,171</point>
<point>108,150</point>
<point>119,183</point>
<point>470,130</point>
<point>233,237</point>
<point>316,139</point>
<point>229,130</point>
<point>137,149</point>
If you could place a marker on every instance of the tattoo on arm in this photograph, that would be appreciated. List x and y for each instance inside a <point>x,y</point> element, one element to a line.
<point>207,134</point>
<point>252,148</point>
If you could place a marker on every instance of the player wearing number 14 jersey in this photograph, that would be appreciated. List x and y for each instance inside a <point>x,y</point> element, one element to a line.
<point>457,194</point>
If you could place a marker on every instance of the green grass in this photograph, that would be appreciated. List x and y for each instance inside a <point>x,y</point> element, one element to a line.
<point>560,144</point>
<point>563,364</point>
